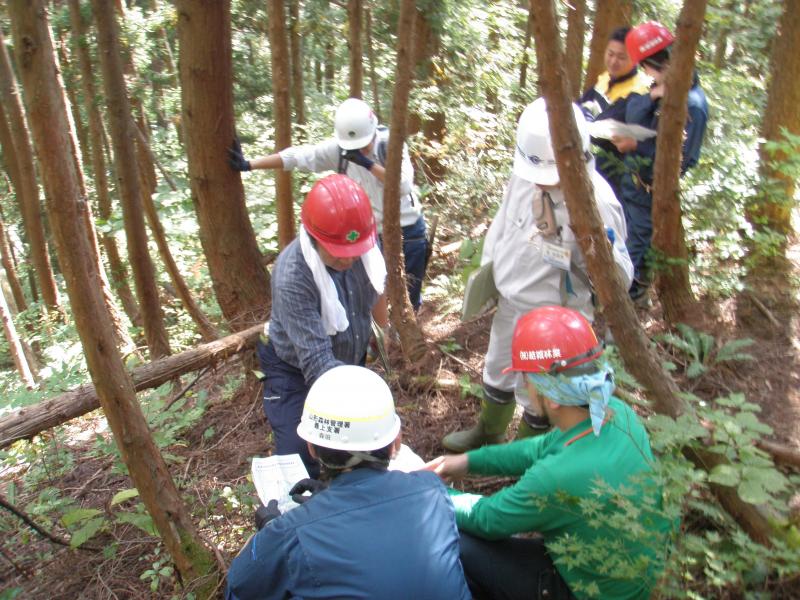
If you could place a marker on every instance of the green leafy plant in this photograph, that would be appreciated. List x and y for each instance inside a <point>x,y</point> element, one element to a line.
<point>701,352</point>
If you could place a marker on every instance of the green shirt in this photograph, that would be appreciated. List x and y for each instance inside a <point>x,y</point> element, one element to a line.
<point>570,488</point>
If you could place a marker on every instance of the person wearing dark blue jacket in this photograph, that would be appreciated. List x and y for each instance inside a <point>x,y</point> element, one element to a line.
<point>373,533</point>
<point>649,44</point>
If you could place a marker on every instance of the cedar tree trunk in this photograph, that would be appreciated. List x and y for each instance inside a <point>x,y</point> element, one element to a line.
<point>67,206</point>
<point>576,31</point>
<point>354,10</point>
<point>373,78</point>
<point>128,183</point>
<point>14,344</point>
<point>28,192</point>
<point>11,271</point>
<point>608,15</point>
<point>283,117</point>
<point>672,278</point>
<point>585,221</point>
<point>296,49</point>
<point>241,284</point>
<point>523,65</point>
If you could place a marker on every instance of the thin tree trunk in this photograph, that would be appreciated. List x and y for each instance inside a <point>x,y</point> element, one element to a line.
<point>28,194</point>
<point>24,423</point>
<point>330,66</point>
<point>773,210</point>
<point>576,32</point>
<point>12,168</point>
<point>672,278</point>
<point>639,358</point>
<point>296,48</point>
<point>373,78</point>
<point>119,273</point>
<point>51,133</point>
<point>128,183</point>
<point>523,66</point>
<point>11,272</point>
<point>608,15</point>
<point>283,117</point>
<point>14,344</point>
<point>241,284</point>
<point>412,340</point>
<point>68,74</point>
<point>318,75</point>
<point>354,10</point>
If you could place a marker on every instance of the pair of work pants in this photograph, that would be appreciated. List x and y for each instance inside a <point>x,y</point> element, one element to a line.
<point>511,569</point>
<point>637,206</point>
<point>415,254</point>
<point>285,392</point>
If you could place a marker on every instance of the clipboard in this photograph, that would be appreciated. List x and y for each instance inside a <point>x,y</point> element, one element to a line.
<point>479,292</point>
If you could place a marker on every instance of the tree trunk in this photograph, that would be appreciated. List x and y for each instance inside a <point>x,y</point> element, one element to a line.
<point>639,358</point>
<point>523,65</point>
<point>330,67</point>
<point>28,194</point>
<point>672,277</point>
<point>240,283</point>
<point>608,15</point>
<point>773,210</point>
<point>354,10</point>
<point>412,340</point>
<point>576,32</point>
<point>721,43</point>
<point>66,204</point>
<point>373,78</point>
<point>24,423</point>
<point>128,183</point>
<point>68,74</point>
<point>14,344</point>
<point>119,273</point>
<point>283,117</point>
<point>296,49</point>
<point>11,272</point>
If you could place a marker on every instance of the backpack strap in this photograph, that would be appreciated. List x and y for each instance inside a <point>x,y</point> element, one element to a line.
<point>341,168</point>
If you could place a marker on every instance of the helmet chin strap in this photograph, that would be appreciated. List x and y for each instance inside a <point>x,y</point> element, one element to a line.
<point>357,457</point>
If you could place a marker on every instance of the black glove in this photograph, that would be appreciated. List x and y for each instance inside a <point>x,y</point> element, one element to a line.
<point>265,514</point>
<point>355,157</point>
<point>236,159</point>
<point>306,485</point>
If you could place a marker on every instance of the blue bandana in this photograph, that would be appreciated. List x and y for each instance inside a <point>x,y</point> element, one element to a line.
<point>594,389</point>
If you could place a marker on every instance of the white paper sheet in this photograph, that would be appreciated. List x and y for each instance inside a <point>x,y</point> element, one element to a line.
<point>607,128</point>
<point>274,476</point>
<point>406,460</point>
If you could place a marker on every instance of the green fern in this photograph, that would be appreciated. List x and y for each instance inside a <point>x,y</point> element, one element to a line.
<point>699,349</point>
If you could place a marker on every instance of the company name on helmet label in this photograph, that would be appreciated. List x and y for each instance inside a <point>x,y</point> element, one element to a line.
<point>540,354</point>
<point>651,43</point>
<point>325,425</point>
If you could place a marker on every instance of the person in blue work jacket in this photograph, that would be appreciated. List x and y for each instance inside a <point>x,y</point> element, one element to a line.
<point>373,533</point>
<point>649,44</point>
<point>327,285</point>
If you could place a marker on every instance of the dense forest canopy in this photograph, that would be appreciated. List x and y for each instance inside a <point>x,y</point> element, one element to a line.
<point>136,265</point>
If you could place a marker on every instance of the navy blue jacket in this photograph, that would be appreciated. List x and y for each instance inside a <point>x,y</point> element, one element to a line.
<point>371,534</point>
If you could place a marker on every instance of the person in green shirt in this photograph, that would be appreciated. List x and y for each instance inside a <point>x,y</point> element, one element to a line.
<point>586,487</point>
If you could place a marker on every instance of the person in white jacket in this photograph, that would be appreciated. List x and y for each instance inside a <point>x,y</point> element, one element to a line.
<point>358,149</point>
<point>536,261</point>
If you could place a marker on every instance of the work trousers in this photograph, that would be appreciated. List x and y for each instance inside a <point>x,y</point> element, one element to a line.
<point>511,569</point>
<point>637,205</point>
<point>415,254</point>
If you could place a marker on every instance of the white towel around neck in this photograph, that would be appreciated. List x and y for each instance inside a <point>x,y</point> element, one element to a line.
<point>334,316</point>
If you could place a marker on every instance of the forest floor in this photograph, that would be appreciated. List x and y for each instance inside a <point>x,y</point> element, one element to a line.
<point>213,469</point>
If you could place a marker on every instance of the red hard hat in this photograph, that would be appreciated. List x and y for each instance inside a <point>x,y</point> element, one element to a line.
<point>646,39</point>
<point>337,213</point>
<point>552,339</point>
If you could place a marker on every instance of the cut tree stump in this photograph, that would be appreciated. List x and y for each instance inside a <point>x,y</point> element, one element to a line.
<point>31,420</point>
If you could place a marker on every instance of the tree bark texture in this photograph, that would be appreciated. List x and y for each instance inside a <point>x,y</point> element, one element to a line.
<point>67,205</point>
<point>11,272</point>
<point>783,98</point>
<point>296,50</point>
<point>354,10</point>
<point>279,54</point>
<point>128,182</point>
<point>240,283</point>
<point>29,421</point>
<point>412,340</point>
<point>119,272</point>
<point>608,15</point>
<point>68,74</point>
<point>669,243</point>
<point>588,228</point>
<point>576,32</point>
<point>14,344</point>
<point>28,193</point>
<point>330,66</point>
<point>524,63</point>
<point>373,78</point>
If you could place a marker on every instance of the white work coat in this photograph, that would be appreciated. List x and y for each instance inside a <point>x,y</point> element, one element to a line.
<point>325,157</point>
<point>515,247</point>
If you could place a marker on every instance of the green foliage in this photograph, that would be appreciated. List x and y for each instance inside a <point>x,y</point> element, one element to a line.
<point>159,570</point>
<point>470,388</point>
<point>701,352</point>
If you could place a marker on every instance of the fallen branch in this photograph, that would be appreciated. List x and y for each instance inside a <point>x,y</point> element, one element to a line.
<point>31,420</point>
<point>38,528</point>
<point>782,455</point>
<point>764,310</point>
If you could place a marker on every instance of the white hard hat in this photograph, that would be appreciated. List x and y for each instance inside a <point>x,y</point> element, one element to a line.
<point>534,159</point>
<point>354,125</point>
<point>349,408</point>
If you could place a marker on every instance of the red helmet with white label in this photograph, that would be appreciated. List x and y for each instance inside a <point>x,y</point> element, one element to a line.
<point>338,214</point>
<point>646,39</point>
<point>552,339</point>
